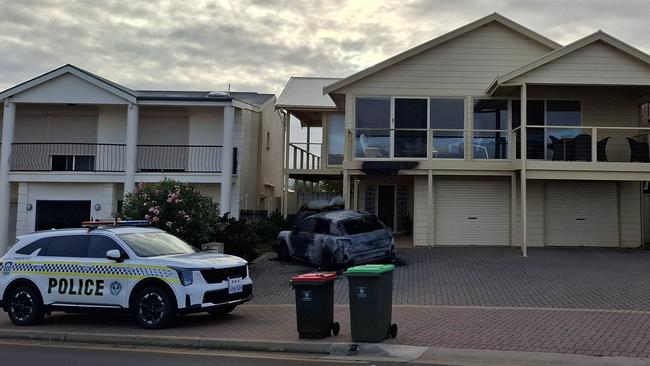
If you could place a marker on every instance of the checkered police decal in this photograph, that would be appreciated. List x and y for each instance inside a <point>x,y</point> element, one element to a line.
<point>97,269</point>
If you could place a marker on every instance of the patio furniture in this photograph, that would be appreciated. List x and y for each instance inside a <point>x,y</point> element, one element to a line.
<point>582,147</point>
<point>563,149</point>
<point>601,148</point>
<point>639,151</point>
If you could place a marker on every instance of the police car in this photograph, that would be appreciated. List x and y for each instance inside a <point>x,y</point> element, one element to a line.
<point>154,275</point>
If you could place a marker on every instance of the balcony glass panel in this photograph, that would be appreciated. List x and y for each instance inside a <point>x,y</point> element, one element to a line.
<point>491,114</point>
<point>411,144</point>
<point>490,145</point>
<point>335,139</point>
<point>448,145</point>
<point>372,143</point>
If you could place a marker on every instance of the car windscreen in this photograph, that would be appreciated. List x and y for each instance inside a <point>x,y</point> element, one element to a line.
<point>156,244</point>
<point>362,225</point>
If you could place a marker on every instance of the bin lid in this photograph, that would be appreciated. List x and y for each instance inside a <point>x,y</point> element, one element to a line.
<point>369,270</point>
<point>315,277</point>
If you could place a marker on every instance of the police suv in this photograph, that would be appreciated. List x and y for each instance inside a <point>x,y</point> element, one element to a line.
<point>153,274</point>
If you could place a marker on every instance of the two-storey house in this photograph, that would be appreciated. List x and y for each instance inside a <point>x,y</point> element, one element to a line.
<point>73,143</point>
<point>491,134</point>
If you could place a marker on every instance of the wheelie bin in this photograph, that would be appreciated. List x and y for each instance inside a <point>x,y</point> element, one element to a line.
<point>315,305</point>
<point>371,302</point>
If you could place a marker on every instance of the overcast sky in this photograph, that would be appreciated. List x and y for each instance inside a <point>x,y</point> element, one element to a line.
<point>255,45</point>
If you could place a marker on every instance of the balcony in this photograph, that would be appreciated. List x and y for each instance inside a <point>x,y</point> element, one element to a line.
<point>305,156</point>
<point>107,158</point>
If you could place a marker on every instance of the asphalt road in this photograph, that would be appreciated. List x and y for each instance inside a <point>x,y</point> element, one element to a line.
<point>52,354</point>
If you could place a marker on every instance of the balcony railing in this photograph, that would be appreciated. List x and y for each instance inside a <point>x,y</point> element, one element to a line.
<point>305,156</point>
<point>590,144</point>
<point>181,158</point>
<point>79,157</point>
<point>93,157</point>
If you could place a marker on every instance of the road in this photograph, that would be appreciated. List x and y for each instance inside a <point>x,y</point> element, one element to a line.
<point>53,354</point>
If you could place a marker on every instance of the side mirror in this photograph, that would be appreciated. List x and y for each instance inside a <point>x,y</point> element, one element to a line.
<point>114,255</point>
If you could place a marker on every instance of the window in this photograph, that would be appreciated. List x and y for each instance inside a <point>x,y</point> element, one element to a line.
<point>372,125</point>
<point>40,245</point>
<point>306,226</point>
<point>448,114</point>
<point>322,226</point>
<point>490,116</point>
<point>535,115</point>
<point>98,245</point>
<point>362,225</point>
<point>155,244</point>
<point>335,139</point>
<point>563,113</point>
<point>68,246</point>
<point>410,128</point>
<point>80,163</point>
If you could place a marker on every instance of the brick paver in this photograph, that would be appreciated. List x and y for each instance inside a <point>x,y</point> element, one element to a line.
<point>581,301</point>
<point>575,278</point>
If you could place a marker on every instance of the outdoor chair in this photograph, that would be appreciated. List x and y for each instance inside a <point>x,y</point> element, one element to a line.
<point>601,147</point>
<point>582,147</point>
<point>563,149</point>
<point>639,151</point>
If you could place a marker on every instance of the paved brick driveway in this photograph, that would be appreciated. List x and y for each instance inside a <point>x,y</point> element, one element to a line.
<point>572,278</point>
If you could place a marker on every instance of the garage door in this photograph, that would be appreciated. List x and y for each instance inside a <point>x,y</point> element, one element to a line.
<point>472,212</point>
<point>581,214</point>
<point>61,214</point>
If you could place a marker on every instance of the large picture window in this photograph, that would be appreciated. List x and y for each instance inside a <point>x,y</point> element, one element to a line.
<point>372,124</point>
<point>447,119</point>
<point>335,139</point>
<point>410,128</point>
<point>491,129</point>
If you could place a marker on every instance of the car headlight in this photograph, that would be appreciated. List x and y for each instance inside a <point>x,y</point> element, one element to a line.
<point>185,275</point>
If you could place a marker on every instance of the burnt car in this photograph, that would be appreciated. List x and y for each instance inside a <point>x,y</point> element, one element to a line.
<point>337,238</point>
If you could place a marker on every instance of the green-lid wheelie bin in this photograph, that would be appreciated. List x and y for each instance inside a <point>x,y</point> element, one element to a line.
<point>371,302</point>
<point>315,305</point>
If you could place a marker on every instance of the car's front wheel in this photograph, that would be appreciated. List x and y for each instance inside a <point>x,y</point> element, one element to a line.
<point>154,308</point>
<point>25,306</point>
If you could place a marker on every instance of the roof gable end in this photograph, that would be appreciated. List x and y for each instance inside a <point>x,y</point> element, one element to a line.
<point>495,17</point>
<point>65,75</point>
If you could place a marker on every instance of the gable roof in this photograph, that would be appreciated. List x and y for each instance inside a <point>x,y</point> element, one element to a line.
<point>570,48</point>
<point>96,80</point>
<point>306,93</point>
<point>494,17</point>
<point>251,98</point>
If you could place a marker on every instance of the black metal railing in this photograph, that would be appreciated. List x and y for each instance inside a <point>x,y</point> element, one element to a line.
<point>76,157</point>
<point>179,158</point>
<point>253,215</point>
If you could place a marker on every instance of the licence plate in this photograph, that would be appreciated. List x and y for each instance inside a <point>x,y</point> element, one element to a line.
<point>235,286</point>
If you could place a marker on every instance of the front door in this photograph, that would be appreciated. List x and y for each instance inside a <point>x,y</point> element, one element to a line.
<point>386,205</point>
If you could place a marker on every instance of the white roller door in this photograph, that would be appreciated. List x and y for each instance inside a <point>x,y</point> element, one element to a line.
<point>472,212</point>
<point>581,213</point>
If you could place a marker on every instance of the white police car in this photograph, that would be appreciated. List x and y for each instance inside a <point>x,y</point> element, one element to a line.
<point>151,273</point>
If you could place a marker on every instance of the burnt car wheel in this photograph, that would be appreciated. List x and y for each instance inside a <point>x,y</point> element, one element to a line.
<point>25,306</point>
<point>327,261</point>
<point>283,251</point>
<point>154,309</point>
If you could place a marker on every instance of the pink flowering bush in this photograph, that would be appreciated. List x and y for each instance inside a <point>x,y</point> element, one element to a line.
<point>178,208</point>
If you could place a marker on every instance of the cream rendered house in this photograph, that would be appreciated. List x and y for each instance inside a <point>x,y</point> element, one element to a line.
<point>74,143</point>
<point>491,134</point>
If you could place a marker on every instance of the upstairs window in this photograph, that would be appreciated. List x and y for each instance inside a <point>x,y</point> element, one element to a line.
<point>411,128</point>
<point>447,119</point>
<point>335,139</point>
<point>490,116</point>
<point>372,125</point>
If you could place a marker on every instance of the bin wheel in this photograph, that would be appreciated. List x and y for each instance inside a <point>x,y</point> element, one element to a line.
<point>336,328</point>
<point>393,330</point>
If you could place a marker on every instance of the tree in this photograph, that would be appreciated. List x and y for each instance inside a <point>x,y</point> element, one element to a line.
<point>178,208</point>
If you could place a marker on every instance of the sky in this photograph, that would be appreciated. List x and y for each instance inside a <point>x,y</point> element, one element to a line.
<point>256,45</point>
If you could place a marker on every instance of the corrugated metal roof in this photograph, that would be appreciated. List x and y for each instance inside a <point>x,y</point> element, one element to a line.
<point>306,92</point>
<point>251,98</point>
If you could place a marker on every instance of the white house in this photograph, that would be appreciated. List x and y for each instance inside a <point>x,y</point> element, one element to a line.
<point>491,134</point>
<point>74,143</point>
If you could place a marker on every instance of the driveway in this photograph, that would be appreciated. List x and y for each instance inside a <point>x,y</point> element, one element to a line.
<point>567,278</point>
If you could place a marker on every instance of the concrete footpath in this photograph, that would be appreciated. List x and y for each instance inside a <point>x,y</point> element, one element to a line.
<point>445,335</point>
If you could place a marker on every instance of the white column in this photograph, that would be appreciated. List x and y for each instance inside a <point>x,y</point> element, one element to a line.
<point>285,189</point>
<point>355,205</point>
<point>430,209</point>
<point>8,124</point>
<point>346,188</point>
<point>131,147</point>
<point>524,198</point>
<point>227,159</point>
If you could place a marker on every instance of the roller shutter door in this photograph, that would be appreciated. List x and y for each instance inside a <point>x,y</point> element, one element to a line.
<point>581,214</point>
<point>472,212</point>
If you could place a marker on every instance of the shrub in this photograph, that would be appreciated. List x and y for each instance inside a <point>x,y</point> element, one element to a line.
<point>238,237</point>
<point>178,208</point>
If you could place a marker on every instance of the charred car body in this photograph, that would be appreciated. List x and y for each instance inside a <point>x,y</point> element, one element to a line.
<point>332,238</point>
